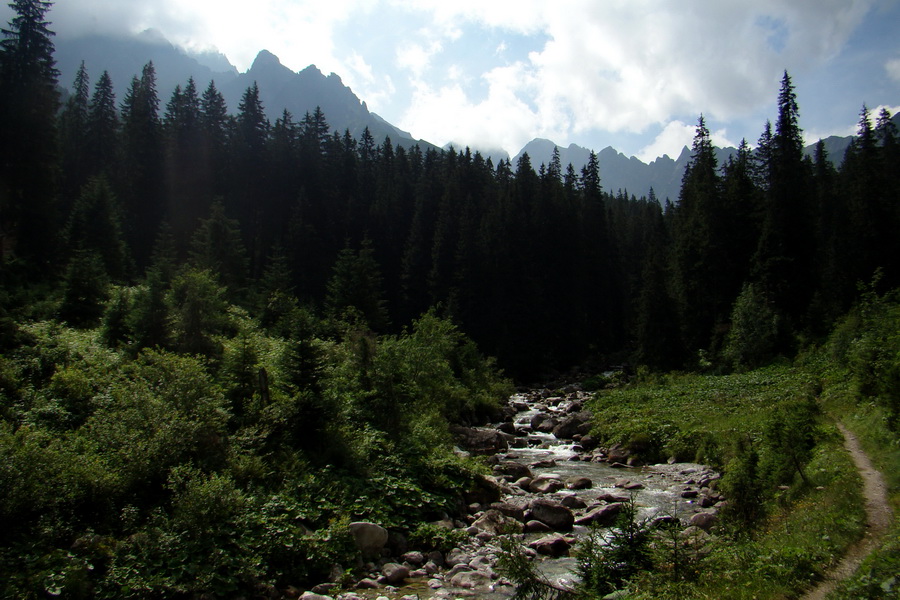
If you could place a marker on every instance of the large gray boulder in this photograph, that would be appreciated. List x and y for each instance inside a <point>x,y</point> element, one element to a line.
<point>577,423</point>
<point>551,513</point>
<point>551,545</point>
<point>496,522</point>
<point>370,538</point>
<point>546,483</point>
<point>480,440</point>
<point>394,573</point>
<point>602,515</point>
<point>512,469</point>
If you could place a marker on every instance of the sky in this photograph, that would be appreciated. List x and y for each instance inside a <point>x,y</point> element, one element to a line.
<point>633,74</point>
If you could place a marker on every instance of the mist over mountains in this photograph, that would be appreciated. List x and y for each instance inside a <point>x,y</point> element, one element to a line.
<point>301,92</point>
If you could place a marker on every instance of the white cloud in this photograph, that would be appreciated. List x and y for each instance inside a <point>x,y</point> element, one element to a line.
<point>624,67</point>
<point>892,67</point>
<point>674,136</point>
<point>415,57</point>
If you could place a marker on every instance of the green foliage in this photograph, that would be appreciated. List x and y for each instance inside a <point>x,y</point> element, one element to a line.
<point>694,417</point>
<point>197,312</point>
<point>755,328</point>
<point>609,559</point>
<point>429,536</point>
<point>84,289</point>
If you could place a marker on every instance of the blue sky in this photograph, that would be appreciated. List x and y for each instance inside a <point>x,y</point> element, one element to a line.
<point>634,74</point>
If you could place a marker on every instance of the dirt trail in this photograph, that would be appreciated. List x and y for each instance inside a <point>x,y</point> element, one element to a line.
<point>878,518</point>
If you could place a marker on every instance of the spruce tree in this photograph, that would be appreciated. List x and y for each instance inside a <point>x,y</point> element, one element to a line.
<point>73,123</point>
<point>142,163</point>
<point>103,129</point>
<point>28,135</point>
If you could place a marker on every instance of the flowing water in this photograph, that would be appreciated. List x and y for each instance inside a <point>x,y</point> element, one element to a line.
<point>658,490</point>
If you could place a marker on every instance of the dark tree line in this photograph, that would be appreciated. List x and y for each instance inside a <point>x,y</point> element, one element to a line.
<point>539,265</point>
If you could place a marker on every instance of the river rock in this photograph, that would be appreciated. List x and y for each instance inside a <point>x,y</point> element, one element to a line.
<point>470,580</point>
<point>617,454</point>
<point>479,440</point>
<point>512,469</point>
<point>573,502</point>
<point>507,427</point>
<point>415,558</point>
<point>457,557</point>
<point>579,483</point>
<point>367,584</point>
<point>610,498</point>
<point>627,484</point>
<point>602,515</point>
<point>510,510</point>
<point>496,522</point>
<point>314,596</point>
<point>546,483</point>
<point>688,494</point>
<point>704,520</point>
<point>535,526</point>
<point>394,573</point>
<point>551,545</point>
<point>486,489</point>
<point>552,513</point>
<point>369,537</point>
<point>543,423</point>
<point>576,423</point>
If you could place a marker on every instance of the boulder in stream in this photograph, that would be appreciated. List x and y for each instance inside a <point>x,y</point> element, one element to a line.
<point>480,440</point>
<point>551,513</point>
<point>551,545</point>
<point>602,515</point>
<point>546,483</point>
<point>577,423</point>
<point>496,522</point>
<point>370,538</point>
<point>579,483</point>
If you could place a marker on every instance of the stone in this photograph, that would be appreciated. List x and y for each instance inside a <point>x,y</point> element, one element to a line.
<point>573,502</point>
<point>688,494</point>
<point>496,522</point>
<point>617,454</point>
<point>602,515</point>
<point>579,483</point>
<point>486,489</point>
<point>394,573</point>
<point>456,557</point>
<point>535,526</point>
<point>470,580</point>
<point>546,483</point>
<point>551,545</point>
<point>510,510</point>
<point>577,423</point>
<point>367,584</point>
<point>479,440</point>
<point>704,520</point>
<point>609,498</point>
<point>314,596</point>
<point>324,588</point>
<point>507,427</point>
<point>435,584</point>
<point>370,538</point>
<point>512,469</point>
<point>553,514</point>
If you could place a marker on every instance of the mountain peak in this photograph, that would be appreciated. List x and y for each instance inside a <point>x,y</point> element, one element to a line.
<point>265,59</point>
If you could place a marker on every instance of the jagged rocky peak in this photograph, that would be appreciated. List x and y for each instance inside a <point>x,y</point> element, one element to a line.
<point>265,59</point>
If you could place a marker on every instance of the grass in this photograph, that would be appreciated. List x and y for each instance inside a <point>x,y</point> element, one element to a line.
<point>808,525</point>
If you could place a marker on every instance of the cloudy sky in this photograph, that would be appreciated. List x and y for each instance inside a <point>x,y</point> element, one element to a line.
<point>634,74</point>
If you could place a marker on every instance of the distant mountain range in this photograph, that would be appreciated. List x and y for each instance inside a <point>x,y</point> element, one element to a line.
<point>301,92</point>
<point>279,87</point>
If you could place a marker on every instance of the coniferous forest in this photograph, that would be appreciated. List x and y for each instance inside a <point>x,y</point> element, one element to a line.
<point>222,338</point>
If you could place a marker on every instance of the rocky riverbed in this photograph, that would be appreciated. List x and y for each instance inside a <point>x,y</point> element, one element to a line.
<point>550,482</point>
